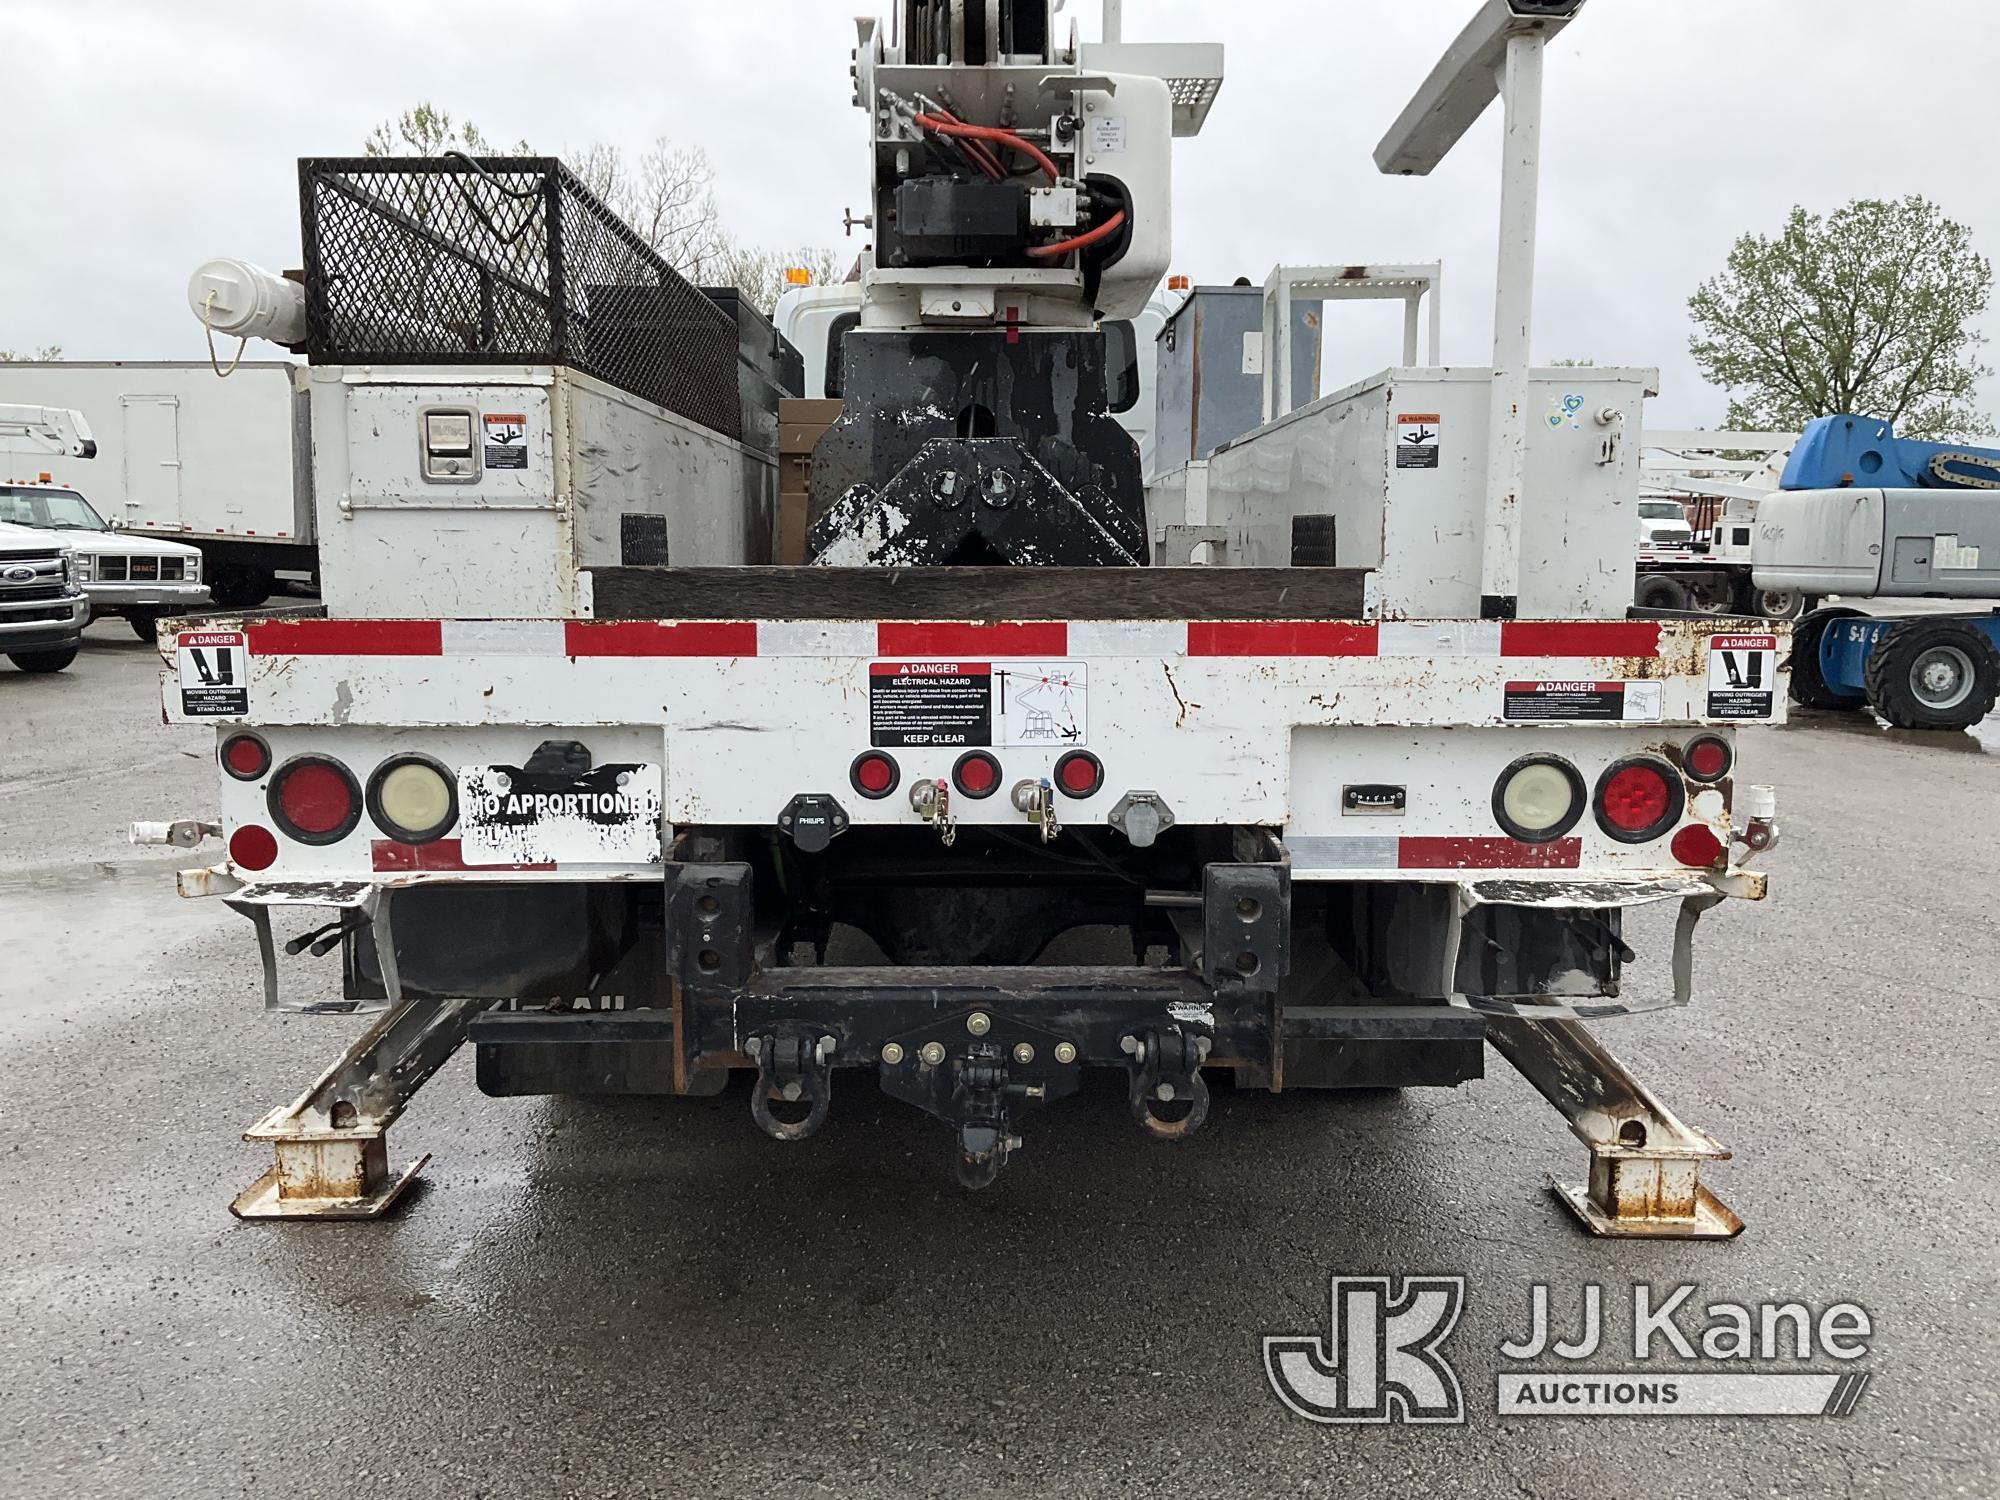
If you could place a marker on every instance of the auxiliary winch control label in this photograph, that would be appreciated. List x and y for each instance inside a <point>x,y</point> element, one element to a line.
<point>1417,439</point>
<point>214,669</point>
<point>959,704</point>
<point>1742,676</point>
<point>1612,702</point>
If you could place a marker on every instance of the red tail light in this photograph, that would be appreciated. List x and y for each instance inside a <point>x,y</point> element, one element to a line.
<point>976,775</point>
<point>1707,757</point>
<point>1639,799</point>
<point>1079,774</point>
<point>245,756</point>
<point>314,800</point>
<point>253,847</point>
<point>1697,845</point>
<point>874,774</point>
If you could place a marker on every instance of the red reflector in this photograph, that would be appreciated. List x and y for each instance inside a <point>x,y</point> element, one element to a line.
<point>1697,845</point>
<point>977,775</point>
<point>874,775</point>
<point>1636,798</point>
<point>246,757</point>
<point>1079,774</point>
<point>1707,759</point>
<point>316,798</point>
<point>253,848</point>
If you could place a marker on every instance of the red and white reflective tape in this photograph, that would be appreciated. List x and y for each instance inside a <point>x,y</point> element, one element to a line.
<point>1028,639</point>
<point>1393,852</point>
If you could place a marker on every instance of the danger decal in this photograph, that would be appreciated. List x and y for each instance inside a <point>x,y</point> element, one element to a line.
<point>1609,702</point>
<point>959,704</point>
<point>1742,676</point>
<point>214,670</point>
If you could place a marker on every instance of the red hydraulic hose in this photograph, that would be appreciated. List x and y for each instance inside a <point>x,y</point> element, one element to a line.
<point>981,158</point>
<point>1083,241</point>
<point>942,126</point>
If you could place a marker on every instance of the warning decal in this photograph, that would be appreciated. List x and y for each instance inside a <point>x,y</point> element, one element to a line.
<point>1611,702</point>
<point>1417,439</point>
<point>956,704</point>
<point>506,439</point>
<point>214,669</point>
<point>1742,676</point>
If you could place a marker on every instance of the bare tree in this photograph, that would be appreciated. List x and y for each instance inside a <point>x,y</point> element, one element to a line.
<point>763,275</point>
<point>47,351</point>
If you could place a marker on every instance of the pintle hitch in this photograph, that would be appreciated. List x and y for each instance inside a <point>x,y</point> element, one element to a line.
<point>792,1066</point>
<point>1166,1068</point>
<point>979,1072</point>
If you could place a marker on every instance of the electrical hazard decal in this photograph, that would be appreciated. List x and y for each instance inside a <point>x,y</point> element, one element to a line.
<point>957,704</point>
<point>1609,702</point>
<point>1417,439</point>
<point>506,439</point>
<point>214,670</point>
<point>1742,676</point>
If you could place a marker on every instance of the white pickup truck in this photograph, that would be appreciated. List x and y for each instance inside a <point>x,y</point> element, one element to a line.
<point>137,577</point>
<point>42,611</point>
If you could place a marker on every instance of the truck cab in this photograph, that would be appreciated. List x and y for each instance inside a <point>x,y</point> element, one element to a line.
<point>138,578</point>
<point>1663,523</point>
<point>42,611</point>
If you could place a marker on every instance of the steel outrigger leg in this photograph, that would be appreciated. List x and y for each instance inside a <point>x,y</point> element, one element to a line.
<point>332,1142</point>
<point>1645,1162</point>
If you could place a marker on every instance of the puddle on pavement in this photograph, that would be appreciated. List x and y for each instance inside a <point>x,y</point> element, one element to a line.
<point>74,941</point>
<point>1982,739</point>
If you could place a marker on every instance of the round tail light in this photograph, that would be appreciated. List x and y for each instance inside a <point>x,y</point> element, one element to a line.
<point>976,775</point>
<point>1707,757</point>
<point>245,756</point>
<point>1697,845</point>
<point>1639,799</point>
<point>1079,774</point>
<point>874,774</point>
<point>314,800</point>
<point>413,799</point>
<point>253,847</point>
<point>1538,798</point>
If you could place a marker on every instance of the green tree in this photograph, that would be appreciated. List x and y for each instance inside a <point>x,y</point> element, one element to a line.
<point>1869,310</point>
<point>426,130</point>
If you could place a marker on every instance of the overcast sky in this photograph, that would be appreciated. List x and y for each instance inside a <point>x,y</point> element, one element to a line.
<point>142,136</point>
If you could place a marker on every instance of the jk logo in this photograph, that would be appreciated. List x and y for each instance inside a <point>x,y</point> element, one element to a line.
<point>1382,1362</point>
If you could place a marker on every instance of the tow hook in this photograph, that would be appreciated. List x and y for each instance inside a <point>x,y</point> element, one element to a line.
<point>980,1072</point>
<point>791,1066</point>
<point>1166,1068</point>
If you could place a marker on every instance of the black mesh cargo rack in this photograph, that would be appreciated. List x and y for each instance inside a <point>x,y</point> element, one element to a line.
<point>503,260</point>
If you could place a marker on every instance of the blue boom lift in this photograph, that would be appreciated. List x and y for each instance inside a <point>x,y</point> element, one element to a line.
<point>1863,513</point>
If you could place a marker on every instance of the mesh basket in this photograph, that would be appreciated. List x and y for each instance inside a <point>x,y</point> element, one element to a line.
<point>504,260</point>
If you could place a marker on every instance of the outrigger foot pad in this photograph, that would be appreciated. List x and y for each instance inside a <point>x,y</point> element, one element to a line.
<point>1645,1162</point>
<point>336,1175</point>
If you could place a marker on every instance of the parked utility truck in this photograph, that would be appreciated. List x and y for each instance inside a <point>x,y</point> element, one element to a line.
<point>561,772</point>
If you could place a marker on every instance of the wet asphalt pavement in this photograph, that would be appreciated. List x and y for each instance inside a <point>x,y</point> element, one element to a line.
<point>634,1297</point>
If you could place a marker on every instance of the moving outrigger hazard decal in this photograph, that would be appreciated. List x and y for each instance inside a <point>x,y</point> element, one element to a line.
<point>214,669</point>
<point>1742,676</point>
